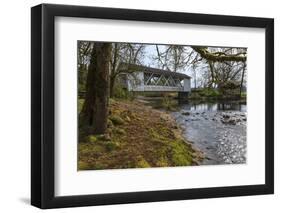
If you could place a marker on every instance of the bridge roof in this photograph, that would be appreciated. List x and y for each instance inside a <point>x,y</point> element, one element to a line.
<point>146,69</point>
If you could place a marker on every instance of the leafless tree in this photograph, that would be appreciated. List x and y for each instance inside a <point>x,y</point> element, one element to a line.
<point>125,54</point>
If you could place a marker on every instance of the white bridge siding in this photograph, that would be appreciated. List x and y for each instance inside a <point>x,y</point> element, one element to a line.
<point>186,85</point>
<point>141,82</point>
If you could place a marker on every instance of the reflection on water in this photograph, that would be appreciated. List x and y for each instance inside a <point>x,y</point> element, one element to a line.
<point>218,106</point>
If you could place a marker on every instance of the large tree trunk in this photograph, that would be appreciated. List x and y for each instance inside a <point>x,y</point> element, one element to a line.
<point>95,109</point>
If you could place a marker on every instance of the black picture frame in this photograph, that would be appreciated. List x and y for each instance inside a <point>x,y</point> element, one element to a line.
<point>43,102</point>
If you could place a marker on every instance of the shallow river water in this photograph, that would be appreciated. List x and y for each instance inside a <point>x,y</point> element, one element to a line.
<point>216,129</point>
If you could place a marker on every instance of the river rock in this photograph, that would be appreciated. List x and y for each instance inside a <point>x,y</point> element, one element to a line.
<point>228,161</point>
<point>225,116</point>
<point>185,113</point>
<point>230,120</point>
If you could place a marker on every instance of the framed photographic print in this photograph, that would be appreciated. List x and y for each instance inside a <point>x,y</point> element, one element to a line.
<point>139,106</point>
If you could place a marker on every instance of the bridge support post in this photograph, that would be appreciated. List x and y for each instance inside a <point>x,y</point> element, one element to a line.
<point>183,95</point>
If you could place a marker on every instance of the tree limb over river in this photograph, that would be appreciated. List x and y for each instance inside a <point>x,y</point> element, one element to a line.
<point>219,56</point>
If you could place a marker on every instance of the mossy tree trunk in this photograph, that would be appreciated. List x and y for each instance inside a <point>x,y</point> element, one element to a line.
<point>94,112</point>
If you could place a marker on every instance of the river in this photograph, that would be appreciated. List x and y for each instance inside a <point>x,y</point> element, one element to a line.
<point>218,129</point>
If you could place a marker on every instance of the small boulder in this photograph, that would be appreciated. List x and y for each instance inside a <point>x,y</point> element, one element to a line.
<point>109,123</point>
<point>120,131</point>
<point>116,120</point>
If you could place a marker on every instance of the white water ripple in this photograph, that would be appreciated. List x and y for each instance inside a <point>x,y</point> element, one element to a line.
<point>220,135</point>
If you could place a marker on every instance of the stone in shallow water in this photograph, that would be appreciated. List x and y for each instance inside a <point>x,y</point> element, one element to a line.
<point>228,161</point>
<point>225,116</point>
<point>185,113</point>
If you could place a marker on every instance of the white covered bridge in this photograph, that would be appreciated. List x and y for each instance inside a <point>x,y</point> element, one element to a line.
<point>147,79</point>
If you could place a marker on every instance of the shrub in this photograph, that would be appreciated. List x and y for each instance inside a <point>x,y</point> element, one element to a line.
<point>122,93</point>
<point>194,95</point>
<point>168,103</point>
<point>209,92</point>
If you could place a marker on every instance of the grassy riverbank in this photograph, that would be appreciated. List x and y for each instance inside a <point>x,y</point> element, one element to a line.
<point>137,137</point>
<point>215,94</point>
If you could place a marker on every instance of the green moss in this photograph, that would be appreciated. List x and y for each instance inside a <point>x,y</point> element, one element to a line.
<point>116,120</point>
<point>162,161</point>
<point>171,145</point>
<point>111,145</point>
<point>161,133</point>
<point>181,155</point>
<point>103,137</point>
<point>87,166</point>
<point>88,149</point>
<point>83,165</point>
<point>119,131</point>
<point>92,138</point>
<point>109,123</point>
<point>142,163</point>
<point>80,104</point>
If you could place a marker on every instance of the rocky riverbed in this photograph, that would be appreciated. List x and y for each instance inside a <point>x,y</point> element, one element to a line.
<point>221,135</point>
